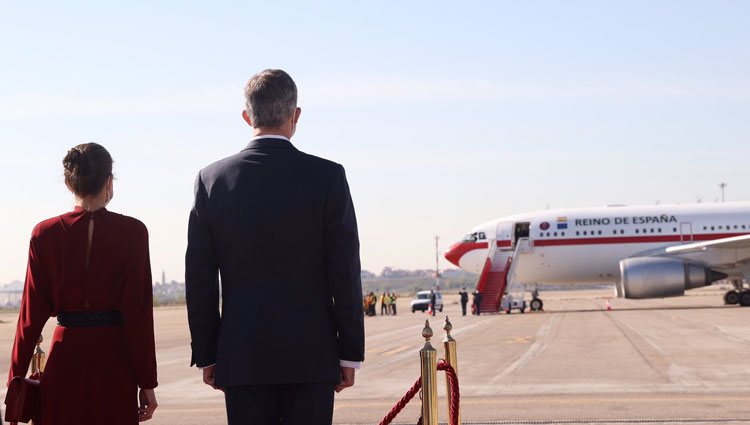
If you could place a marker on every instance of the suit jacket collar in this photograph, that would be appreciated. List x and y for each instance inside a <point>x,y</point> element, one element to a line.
<point>269,142</point>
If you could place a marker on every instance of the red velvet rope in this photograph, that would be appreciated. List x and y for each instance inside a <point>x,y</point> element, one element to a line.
<point>455,394</point>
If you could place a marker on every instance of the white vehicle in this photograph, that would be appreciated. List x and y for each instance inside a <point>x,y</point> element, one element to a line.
<point>651,251</point>
<point>510,303</point>
<point>422,301</point>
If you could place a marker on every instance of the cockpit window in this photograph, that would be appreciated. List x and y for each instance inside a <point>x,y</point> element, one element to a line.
<point>481,236</point>
<point>471,237</point>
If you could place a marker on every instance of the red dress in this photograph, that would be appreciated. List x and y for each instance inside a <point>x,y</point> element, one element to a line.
<point>92,373</point>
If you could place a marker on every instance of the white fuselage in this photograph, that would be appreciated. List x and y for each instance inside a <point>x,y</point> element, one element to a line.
<point>586,245</point>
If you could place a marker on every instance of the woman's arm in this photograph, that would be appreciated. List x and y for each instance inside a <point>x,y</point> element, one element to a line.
<point>36,308</point>
<point>136,306</point>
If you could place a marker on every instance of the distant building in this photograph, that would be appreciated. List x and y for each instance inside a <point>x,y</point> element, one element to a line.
<point>11,294</point>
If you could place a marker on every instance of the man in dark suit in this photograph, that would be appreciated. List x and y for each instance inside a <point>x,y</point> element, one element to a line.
<point>275,224</point>
<point>464,300</point>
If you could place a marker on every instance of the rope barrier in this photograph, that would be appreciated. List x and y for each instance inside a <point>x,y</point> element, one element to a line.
<point>455,393</point>
<point>399,406</point>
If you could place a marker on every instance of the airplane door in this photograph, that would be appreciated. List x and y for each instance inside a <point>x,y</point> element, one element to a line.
<point>686,232</point>
<point>504,235</point>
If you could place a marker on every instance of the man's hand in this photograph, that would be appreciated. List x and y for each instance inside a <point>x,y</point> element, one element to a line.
<point>148,404</point>
<point>208,377</point>
<point>347,378</point>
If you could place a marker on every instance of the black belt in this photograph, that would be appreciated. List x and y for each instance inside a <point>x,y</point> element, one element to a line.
<point>89,319</point>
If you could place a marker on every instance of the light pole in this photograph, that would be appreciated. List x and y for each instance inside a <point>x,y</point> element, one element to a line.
<point>722,186</point>
<point>437,264</point>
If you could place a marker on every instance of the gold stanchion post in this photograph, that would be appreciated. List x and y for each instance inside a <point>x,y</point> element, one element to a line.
<point>449,345</point>
<point>39,357</point>
<point>428,363</point>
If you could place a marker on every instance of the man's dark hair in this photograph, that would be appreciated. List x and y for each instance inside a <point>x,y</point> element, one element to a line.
<point>270,98</point>
<point>87,168</point>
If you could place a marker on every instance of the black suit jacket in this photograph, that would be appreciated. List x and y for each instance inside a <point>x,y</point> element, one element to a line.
<point>278,226</point>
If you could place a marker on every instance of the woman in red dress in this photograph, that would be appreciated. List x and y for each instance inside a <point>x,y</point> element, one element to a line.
<point>90,268</point>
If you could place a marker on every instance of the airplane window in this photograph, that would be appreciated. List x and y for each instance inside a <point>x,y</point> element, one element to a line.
<point>712,227</point>
<point>555,234</point>
<point>719,227</point>
<point>659,229</point>
<point>547,233</point>
<point>482,236</point>
<point>674,229</point>
<point>614,232</point>
<point>562,233</point>
<point>622,232</point>
<point>636,230</point>
<point>743,226</point>
<point>472,237</point>
<point>578,233</point>
<point>584,233</point>
<point>600,232</point>
<point>735,226</point>
<point>652,230</point>
<point>705,228</point>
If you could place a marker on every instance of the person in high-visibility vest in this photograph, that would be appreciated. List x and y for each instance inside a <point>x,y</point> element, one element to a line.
<point>384,304</point>
<point>373,301</point>
<point>393,303</point>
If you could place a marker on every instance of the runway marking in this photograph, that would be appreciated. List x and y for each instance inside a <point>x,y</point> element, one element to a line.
<point>657,361</point>
<point>399,349</point>
<point>603,421</point>
<point>539,345</point>
<point>592,400</point>
<point>344,404</point>
<point>520,340</point>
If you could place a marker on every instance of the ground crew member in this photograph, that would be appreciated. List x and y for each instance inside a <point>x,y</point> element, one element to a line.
<point>373,301</point>
<point>393,303</point>
<point>433,299</point>
<point>384,304</point>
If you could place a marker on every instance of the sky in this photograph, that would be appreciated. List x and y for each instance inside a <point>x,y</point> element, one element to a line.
<point>444,114</point>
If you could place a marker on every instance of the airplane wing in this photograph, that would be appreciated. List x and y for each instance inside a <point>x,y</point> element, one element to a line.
<point>736,242</point>
<point>727,253</point>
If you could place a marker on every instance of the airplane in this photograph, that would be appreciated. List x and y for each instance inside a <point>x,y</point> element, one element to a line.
<point>653,251</point>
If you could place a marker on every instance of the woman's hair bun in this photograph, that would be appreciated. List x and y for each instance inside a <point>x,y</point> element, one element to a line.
<point>87,168</point>
<point>73,159</point>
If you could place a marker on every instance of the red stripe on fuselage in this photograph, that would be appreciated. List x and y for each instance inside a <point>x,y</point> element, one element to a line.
<point>632,239</point>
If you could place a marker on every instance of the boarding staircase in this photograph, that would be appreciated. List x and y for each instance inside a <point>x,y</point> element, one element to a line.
<point>493,279</point>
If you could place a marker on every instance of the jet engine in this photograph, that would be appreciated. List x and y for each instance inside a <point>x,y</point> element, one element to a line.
<point>661,277</point>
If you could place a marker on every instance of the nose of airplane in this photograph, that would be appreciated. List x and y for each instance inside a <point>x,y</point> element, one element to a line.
<point>453,254</point>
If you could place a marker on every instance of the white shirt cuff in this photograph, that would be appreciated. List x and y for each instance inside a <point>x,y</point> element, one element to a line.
<point>347,363</point>
<point>203,367</point>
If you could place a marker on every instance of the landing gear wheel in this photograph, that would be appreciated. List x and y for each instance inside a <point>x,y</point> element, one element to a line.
<point>732,298</point>
<point>536,304</point>
<point>745,298</point>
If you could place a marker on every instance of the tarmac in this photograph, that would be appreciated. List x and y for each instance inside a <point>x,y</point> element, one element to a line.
<point>677,360</point>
